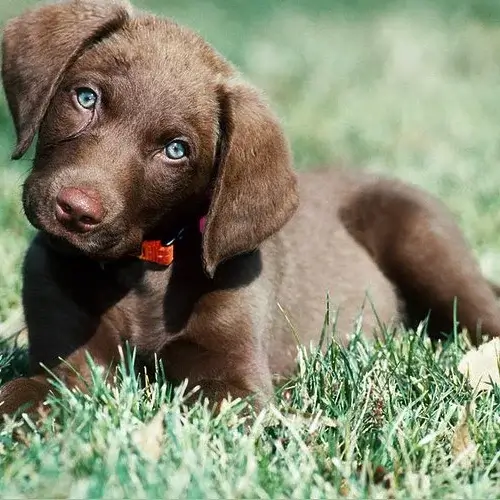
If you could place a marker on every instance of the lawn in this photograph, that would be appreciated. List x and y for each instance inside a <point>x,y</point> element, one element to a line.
<point>410,89</point>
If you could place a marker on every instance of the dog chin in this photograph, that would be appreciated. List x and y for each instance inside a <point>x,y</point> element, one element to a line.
<point>109,251</point>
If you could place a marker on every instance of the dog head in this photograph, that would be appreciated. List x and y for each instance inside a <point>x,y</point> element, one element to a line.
<point>140,124</point>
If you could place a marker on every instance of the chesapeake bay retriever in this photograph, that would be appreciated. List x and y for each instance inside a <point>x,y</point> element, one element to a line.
<point>169,216</point>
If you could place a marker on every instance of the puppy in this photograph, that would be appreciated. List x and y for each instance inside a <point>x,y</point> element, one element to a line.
<point>168,216</point>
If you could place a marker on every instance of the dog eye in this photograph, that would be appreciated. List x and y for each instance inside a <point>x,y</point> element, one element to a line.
<point>176,150</point>
<point>86,97</point>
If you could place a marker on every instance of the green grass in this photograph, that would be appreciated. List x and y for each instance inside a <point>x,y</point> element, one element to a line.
<point>410,89</point>
<point>392,406</point>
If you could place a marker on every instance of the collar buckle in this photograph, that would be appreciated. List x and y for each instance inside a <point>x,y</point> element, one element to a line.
<point>163,253</point>
<point>155,251</point>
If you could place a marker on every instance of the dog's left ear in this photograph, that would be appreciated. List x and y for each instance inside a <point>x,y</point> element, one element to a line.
<point>255,192</point>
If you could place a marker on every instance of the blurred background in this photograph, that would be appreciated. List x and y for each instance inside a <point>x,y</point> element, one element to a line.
<point>407,88</point>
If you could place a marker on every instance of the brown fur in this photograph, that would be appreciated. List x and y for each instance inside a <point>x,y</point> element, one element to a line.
<point>214,315</point>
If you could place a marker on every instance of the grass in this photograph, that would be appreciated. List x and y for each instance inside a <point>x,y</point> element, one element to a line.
<point>410,89</point>
<point>346,414</point>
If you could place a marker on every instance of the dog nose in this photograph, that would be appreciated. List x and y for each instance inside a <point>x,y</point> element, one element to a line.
<point>79,209</point>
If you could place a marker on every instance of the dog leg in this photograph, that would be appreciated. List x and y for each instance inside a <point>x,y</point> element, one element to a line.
<point>63,326</point>
<point>217,391</point>
<point>29,393</point>
<point>23,394</point>
<point>419,247</point>
<point>238,373</point>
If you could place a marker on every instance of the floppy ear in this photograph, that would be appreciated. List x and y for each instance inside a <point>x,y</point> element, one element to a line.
<point>39,46</point>
<point>255,191</point>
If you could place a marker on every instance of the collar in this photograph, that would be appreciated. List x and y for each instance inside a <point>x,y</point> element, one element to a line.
<point>159,252</point>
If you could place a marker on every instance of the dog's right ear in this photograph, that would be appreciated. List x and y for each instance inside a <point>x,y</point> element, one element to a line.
<point>40,45</point>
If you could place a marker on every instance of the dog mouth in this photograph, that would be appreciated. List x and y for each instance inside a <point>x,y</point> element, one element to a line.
<point>101,245</point>
<point>112,240</point>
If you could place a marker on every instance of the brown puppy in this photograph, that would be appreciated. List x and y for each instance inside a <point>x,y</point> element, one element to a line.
<point>143,130</point>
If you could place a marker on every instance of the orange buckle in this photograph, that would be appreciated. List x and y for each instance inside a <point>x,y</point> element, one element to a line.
<point>155,251</point>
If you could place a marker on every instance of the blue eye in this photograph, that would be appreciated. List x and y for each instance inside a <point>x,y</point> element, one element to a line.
<point>86,98</point>
<point>176,150</point>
